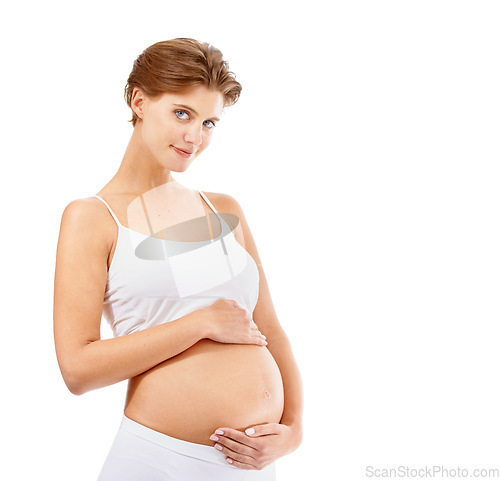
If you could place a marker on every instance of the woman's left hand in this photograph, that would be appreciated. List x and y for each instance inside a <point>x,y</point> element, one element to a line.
<point>257,449</point>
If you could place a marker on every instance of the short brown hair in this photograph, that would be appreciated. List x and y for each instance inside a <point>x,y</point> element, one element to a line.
<point>177,65</point>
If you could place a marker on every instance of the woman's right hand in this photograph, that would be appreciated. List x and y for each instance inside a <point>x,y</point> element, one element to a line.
<point>229,323</point>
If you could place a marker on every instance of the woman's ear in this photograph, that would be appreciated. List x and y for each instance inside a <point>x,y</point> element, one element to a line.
<point>137,102</point>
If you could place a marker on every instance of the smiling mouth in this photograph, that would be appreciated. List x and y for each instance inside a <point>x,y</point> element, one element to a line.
<point>184,153</point>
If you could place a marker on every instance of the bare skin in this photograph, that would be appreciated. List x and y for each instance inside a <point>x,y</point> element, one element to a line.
<point>166,140</point>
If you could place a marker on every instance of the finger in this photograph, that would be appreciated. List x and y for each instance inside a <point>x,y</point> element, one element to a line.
<point>255,330</point>
<point>235,446</point>
<point>256,337</point>
<point>257,333</point>
<point>259,340</point>
<point>236,457</point>
<point>263,430</point>
<point>237,464</point>
<point>235,435</point>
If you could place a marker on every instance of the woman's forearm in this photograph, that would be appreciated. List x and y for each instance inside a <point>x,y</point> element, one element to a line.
<point>281,350</point>
<point>103,362</point>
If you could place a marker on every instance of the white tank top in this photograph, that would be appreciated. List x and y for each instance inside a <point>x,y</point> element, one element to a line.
<point>152,281</point>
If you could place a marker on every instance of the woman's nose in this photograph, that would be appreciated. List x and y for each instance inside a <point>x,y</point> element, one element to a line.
<point>194,135</point>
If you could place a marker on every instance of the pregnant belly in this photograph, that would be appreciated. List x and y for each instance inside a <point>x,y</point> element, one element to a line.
<point>209,385</point>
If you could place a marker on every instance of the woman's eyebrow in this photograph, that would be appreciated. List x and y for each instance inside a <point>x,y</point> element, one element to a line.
<point>194,111</point>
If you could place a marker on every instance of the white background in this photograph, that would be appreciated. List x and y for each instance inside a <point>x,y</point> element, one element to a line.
<point>364,151</point>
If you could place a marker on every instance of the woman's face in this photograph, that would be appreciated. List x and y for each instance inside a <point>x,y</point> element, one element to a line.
<point>177,127</point>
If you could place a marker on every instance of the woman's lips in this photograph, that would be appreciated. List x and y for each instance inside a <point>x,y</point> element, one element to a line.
<point>183,153</point>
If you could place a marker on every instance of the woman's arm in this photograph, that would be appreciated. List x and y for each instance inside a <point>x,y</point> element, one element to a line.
<point>292,383</point>
<point>86,361</point>
<point>266,318</point>
<point>99,363</point>
<point>279,345</point>
<point>270,441</point>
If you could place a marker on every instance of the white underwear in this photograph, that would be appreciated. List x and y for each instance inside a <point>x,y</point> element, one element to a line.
<point>139,453</point>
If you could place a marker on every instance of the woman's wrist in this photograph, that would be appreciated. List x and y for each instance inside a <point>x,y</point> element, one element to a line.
<point>199,323</point>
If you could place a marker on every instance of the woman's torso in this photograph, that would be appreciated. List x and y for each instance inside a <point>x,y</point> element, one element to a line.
<point>152,280</point>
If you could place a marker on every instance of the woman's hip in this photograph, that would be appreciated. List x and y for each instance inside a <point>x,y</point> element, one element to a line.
<point>139,453</point>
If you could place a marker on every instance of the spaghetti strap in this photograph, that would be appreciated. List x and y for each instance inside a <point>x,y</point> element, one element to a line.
<point>208,202</point>
<point>110,211</point>
<point>224,226</point>
<point>201,193</point>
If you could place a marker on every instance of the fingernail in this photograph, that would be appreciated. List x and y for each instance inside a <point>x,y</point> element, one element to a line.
<point>219,431</point>
<point>218,446</point>
<point>229,460</point>
<point>214,437</point>
<point>250,431</point>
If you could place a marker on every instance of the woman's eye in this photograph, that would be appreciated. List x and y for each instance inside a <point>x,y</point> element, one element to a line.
<point>209,124</point>
<point>181,114</point>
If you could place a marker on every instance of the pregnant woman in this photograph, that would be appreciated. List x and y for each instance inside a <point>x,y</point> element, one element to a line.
<point>214,391</point>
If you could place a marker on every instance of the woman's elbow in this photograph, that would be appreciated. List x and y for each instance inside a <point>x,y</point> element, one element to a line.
<point>75,387</point>
<point>74,378</point>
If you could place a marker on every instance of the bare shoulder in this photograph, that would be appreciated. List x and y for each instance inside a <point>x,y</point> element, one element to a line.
<point>224,203</point>
<point>87,213</point>
<point>232,212</point>
<point>87,220</point>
